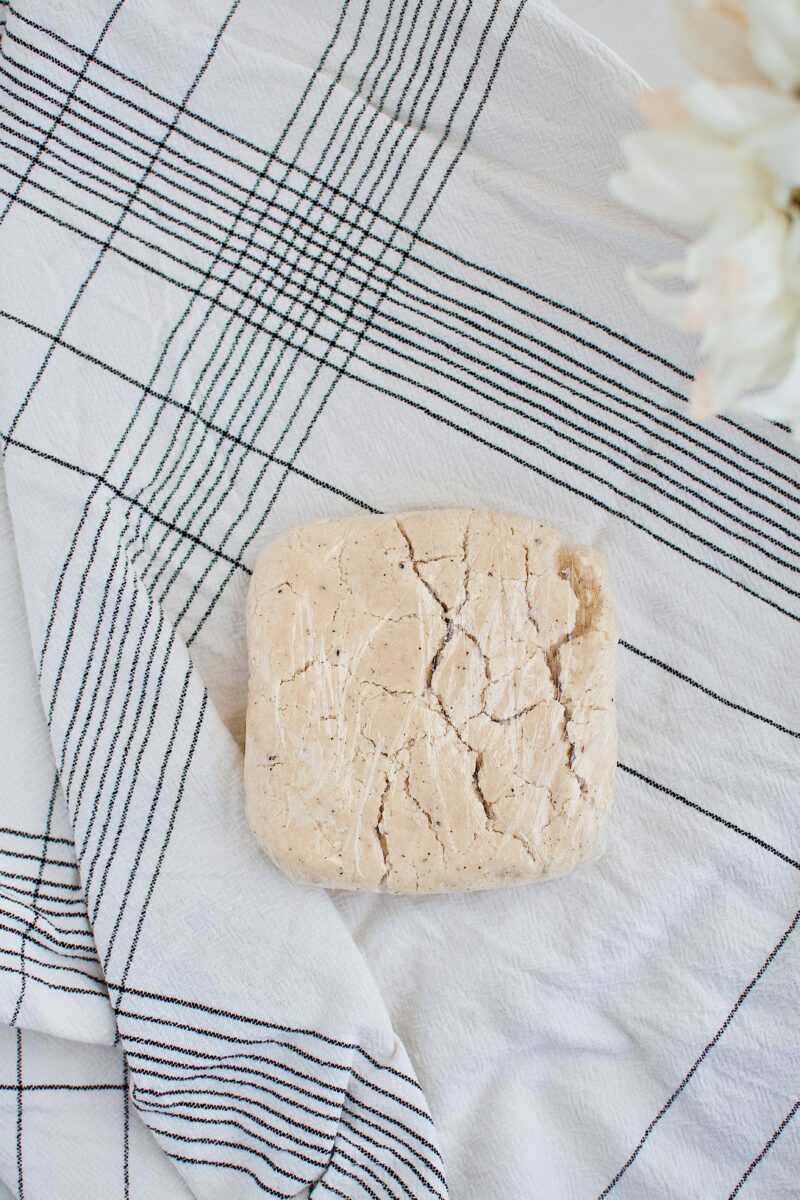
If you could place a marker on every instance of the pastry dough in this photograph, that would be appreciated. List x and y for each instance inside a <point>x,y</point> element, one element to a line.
<point>431,702</point>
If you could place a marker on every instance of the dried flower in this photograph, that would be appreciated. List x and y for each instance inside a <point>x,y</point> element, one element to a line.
<point>724,158</point>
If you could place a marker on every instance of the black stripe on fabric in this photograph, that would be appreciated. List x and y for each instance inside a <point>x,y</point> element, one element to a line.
<point>125,209</point>
<point>252,492</point>
<point>386,1189</point>
<point>406,1163</point>
<point>267,1083</point>
<point>298,351</point>
<point>234,1166</point>
<point>100,479</point>
<point>285,1148</point>
<point>133,725</point>
<point>107,641</point>
<point>736,425</point>
<point>372,509</point>
<point>183,1096</point>
<point>217,429</point>
<point>244,1019</point>
<point>684,487</point>
<point>62,901</point>
<point>228,324</point>
<point>241,1098</point>
<point>502,450</point>
<point>238,309</point>
<point>72,548</point>
<point>587,383</point>
<point>229,1060</point>
<point>343,1170</point>
<point>36,889</point>
<point>39,858</point>
<point>207,1141</point>
<point>231,1166</point>
<point>121,904</point>
<point>49,966</point>
<point>651,453</point>
<point>114,71</point>
<point>79,936</point>
<point>257,1078</point>
<point>10,893</point>
<point>764,1150</point>
<point>38,837</point>
<point>20,1176</point>
<point>639,503</point>
<point>333,1118</point>
<point>453,255</point>
<point>227,1063</point>
<point>97,791</point>
<point>154,374</point>
<point>707,691</point>
<point>261,1082</point>
<point>79,528</point>
<point>325,1183</point>
<point>57,987</point>
<point>47,941</point>
<point>714,816</point>
<point>111,810</point>
<point>701,1057</point>
<point>570,487</point>
<point>359,31</point>
<point>162,853</point>
<point>556,413</point>
<point>126,1132</point>
<point>72,887</point>
<point>323,361</point>
<point>164,1022</point>
<point>339,371</point>
<point>168,1108</point>
<point>62,1087</point>
<point>203,166</point>
<point>88,59</point>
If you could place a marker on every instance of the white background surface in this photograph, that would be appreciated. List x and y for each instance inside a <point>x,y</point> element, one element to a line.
<point>638,31</point>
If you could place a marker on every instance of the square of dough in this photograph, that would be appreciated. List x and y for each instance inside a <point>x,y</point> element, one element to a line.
<point>431,702</point>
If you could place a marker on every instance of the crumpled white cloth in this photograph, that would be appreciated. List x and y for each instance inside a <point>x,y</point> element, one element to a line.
<point>265,263</point>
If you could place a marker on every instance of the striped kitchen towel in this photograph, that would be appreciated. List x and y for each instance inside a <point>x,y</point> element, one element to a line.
<point>267,262</point>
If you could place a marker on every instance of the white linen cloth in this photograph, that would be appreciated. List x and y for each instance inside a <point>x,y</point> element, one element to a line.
<point>263,263</point>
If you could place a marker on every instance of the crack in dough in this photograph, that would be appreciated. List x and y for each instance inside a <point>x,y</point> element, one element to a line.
<point>439,687</point>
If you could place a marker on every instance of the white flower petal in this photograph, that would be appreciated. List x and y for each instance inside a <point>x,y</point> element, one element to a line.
<point>669,307</point>
<point>777,147</point>
<point>745,354</point>
<point>726,231</point>
<point>730,378</point>
<point>727,159</point>
<point>780,402</point>
<point>731,111</point>
<point>766,333</point>
<point>681,175</point>
<point>758,257</point>
<point>775,40</point>
<point>661,109</point>
<point>713,37</point>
